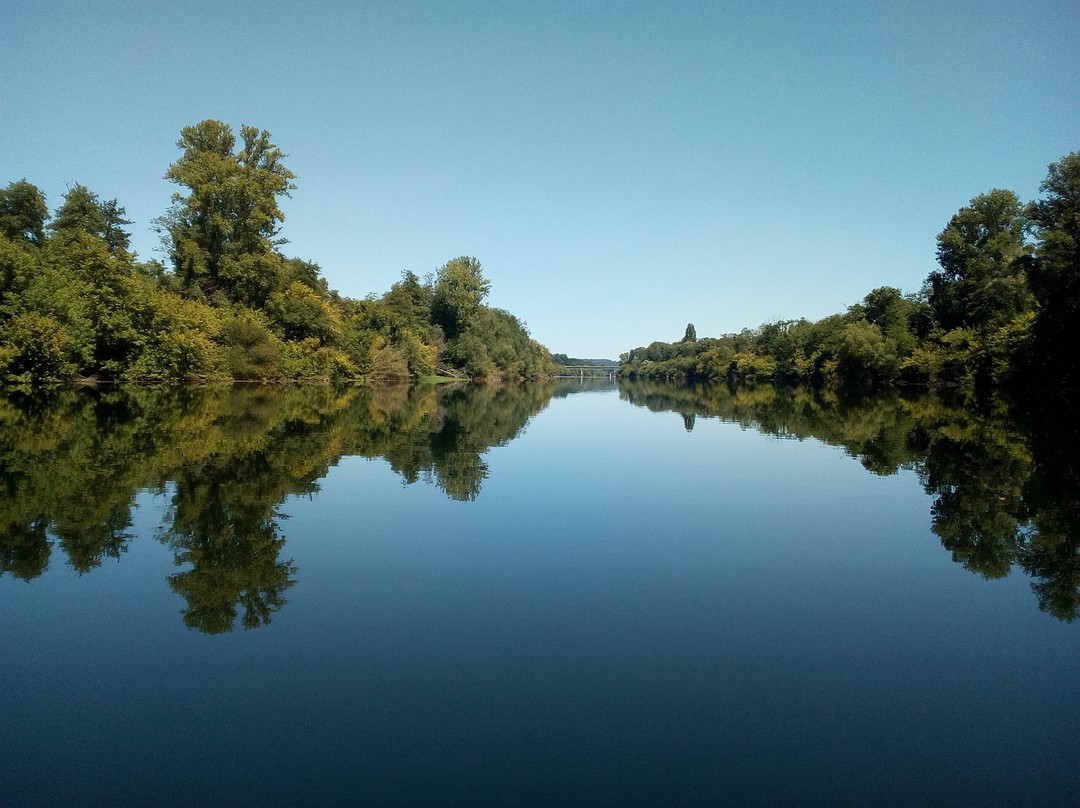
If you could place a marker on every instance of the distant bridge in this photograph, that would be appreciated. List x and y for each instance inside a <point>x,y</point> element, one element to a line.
<point>609,370</point>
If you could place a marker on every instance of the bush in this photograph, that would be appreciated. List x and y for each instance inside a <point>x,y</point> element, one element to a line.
<point>35,348</point>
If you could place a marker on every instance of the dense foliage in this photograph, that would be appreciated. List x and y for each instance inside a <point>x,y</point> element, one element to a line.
<point>997,313</point>
<point>75,302</point>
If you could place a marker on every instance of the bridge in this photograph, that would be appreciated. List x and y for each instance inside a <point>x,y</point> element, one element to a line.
<point>609,370</point>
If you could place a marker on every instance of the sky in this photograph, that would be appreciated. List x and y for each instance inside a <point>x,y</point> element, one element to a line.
<point>618,168</point>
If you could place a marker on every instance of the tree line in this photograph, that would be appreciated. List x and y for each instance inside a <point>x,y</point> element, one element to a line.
<point>997,312</point>
<point>75,302</point>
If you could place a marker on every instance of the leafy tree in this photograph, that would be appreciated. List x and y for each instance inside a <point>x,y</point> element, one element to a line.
<point>309,359</point>
<point>981,251</point>
<point>420,357</point>
<point>901,319</point>
<point>82,212</point>
<point>894,313</point>
<point>460,288</point>
<point>300,313</point>
<point>20,265</point>
<point>221,236</point>
<point>750,368</point>
<point>690,335</point>
<point>865,354</point>
<point>23,213</point>
<point>179,345</point>
<point>481,342</point>
<point>776,341</point>
<point>1055,276</point>
<point>251,349</point>
<point>109,309</point>
<point>34,347</point>
<point>411,300</point>
<point>232,305</point>
<point>308,273</point>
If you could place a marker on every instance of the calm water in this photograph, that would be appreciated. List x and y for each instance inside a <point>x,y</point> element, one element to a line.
<point>538,595</point>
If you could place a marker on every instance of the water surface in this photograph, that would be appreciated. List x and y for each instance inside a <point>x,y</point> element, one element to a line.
<point>546,594</point>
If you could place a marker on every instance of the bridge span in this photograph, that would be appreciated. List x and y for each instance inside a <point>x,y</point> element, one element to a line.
<point>609,370</point>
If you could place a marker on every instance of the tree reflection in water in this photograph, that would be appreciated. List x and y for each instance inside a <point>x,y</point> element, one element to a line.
<point>1006,487</point>
<point>1005,483</point>
<point>226,458</point>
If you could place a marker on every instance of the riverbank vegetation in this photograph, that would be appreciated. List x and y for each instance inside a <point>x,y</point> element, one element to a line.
<point>997,313</point>
<point>75,302</point>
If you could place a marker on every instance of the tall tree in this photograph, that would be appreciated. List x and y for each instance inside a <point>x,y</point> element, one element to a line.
<point>23,212</point>
<point>1055,275</point>
<point>221,235</point>
<point>982,283</point>
<point>83,212</point>
<point>410,299</point>
<point>460,288</point>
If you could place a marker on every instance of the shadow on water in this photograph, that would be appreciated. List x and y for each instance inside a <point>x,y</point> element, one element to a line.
<point>1005,483</point>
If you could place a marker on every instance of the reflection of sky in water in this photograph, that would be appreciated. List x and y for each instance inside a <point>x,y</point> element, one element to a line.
<point>627,614</point>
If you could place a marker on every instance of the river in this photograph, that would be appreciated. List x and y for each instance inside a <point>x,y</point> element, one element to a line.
<point>566,593</point>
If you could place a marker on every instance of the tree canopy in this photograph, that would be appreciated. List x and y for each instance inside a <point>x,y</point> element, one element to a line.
<point>83,212</point>
<point>23,213</point>
<point>221,235</point>
<point>1055,273</point>
<point>982,253</point>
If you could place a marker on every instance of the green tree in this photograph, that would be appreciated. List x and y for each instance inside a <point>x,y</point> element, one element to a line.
<point>982,252</point>
<point>410,299</point>
<point>308,273</point>
<point>690,335</point>
<point>252,351</point>
<point>1055,274</point>
<point>23,213</point>
<point>301,313</point>
<point>460,288</point>
<point>83,212</point>
<point>902,319</point>
<point>179,341</point>
<point>104,302</point>
<point>776,340</point>
<point>221,235</point>
<point>34,347</point>
<point>865,354</point>
<point>20,265</point>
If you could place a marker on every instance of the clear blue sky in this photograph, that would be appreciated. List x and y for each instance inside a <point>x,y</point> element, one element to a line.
<point>619,169</point>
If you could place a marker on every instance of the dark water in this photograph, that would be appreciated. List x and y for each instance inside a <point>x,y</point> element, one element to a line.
<point>537,595</point>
